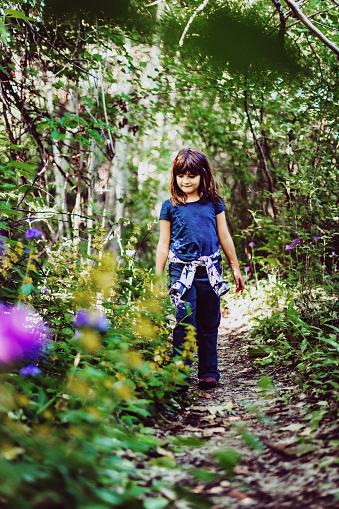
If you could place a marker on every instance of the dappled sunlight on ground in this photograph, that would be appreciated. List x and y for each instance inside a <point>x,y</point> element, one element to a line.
<point>257,301</point>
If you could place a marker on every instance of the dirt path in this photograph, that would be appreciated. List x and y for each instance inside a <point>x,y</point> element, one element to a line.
<point>284,458</point>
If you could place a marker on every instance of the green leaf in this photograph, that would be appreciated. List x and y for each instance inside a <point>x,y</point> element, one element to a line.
<point>3,70</point>
<point>333,327</point>
<point>188,308</point>
<point>228,460</point>
<point>3,33</point>
<point>12,13</point>
<point>304,344</point>
<point>27,289</point>
<point>156,503</point>
<point>59,85</point>
<point>315,418</point>
<point>204,475</point>
<point>301,449</point>
<point>331,342</point>
<point>68,331</point>
<point>265,383</point>
<point>164,462</point>
<point>252,441</point>
<point>23,166</point>
<point>192,441</point>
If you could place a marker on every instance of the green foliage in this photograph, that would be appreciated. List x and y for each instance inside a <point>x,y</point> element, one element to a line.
<point>79,426</point>
<point>306,339</point>
<point>233,37</point>
<point>128,14</point>
<point>228,460</point>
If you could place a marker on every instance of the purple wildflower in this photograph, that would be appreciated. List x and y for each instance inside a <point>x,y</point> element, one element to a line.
<point>93,319</point>
<point>2,245</point>
<point>289,247</point>
<point>296,241</point>
<point>30,370</point>
<point>252,244</point>
<point>26,250</point>
<point>316,238</point>
<point>102,323</point>
<point>76,336</point>
<point>247,269</point>
<point>31,233</point>
<point>23,335</point>
<point>82,319</point>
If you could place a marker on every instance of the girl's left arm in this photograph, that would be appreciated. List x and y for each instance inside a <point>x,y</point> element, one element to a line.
<point>229,250</point>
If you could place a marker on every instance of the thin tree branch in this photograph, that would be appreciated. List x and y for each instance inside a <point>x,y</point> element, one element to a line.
<point>31,185</point>
<point>311,15</point>
<point>280,10</point>
<point>317,59</point>
<point>308,24</point>
<point>59,52</point>
<point>326,26</point>
<point>111,144</point>
<point>262,158</point>
<point>199,9</point>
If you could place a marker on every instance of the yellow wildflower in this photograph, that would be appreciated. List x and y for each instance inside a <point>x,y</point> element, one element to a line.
<point>13,257</point>
<point>6,263</point>
<point>119,376</point>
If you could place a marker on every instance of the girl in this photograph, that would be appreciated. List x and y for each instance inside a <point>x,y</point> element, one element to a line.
<point>192,227</point>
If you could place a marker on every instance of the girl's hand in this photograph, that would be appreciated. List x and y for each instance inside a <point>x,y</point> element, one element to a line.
<point>239,283</point>
<point>159,285</point>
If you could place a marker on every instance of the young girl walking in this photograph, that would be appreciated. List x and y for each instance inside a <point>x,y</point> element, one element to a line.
<point>192,228</point>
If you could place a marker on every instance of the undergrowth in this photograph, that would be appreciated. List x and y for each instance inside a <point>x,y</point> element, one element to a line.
<point>302,335</point>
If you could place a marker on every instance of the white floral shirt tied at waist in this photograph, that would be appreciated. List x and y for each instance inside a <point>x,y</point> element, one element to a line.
<point>185,282</point>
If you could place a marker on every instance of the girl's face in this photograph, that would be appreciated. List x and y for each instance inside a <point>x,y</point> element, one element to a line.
<point>189,184</point>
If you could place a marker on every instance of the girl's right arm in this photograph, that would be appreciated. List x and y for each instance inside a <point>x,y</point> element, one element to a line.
<point>163,246</point>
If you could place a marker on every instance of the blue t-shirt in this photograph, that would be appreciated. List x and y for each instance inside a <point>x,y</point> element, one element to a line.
<point>193,228</point>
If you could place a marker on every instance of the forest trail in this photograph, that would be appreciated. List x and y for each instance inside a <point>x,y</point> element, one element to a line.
<point>284,458</point>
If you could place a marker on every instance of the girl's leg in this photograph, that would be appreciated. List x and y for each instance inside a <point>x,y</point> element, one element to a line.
<point>207,320</point>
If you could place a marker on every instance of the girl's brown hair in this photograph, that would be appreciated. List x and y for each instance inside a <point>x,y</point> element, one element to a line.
<point>193,161</point>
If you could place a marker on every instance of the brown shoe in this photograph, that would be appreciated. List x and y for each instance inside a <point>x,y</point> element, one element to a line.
<point>208,382</point>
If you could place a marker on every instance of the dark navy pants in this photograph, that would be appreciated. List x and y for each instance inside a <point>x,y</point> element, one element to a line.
<point>205,317</point>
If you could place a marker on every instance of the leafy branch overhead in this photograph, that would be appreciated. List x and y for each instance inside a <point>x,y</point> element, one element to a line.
<point>294,6</point>
<point>228,36</point>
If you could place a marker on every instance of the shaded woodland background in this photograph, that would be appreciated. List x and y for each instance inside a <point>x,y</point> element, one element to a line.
<point>100,112</point>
